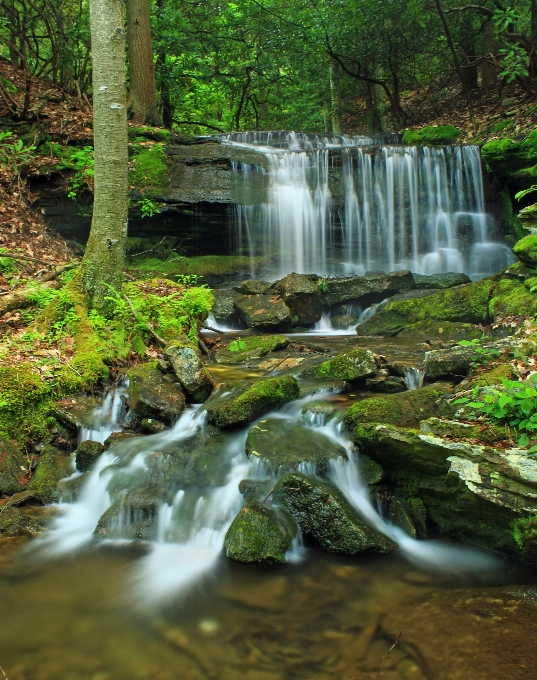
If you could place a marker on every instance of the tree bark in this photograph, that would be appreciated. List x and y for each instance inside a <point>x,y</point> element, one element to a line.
<point>488,67</point>
<point>102,266</point>
<point>335,99</point>
<point>143,90</point>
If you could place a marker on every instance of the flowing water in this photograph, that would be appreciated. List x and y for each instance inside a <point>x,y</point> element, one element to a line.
<point>347,205</point>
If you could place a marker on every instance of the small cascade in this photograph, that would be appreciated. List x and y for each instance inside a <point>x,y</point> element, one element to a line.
<point>414,377</point>
<point>106,418</point>
<point>345,205</point>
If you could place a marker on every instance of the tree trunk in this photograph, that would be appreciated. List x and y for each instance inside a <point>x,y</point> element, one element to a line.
<point>143,90</point>
<point>335,99</point>
<point>102,266</point>
<point>469,70</point>
<point>488,67</point>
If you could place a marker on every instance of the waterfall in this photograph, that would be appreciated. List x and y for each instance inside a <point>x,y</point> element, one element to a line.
<point>346,205</point>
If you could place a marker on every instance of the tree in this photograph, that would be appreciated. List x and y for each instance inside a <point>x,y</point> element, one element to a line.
<point>102,266</point>
<point>143,90</point>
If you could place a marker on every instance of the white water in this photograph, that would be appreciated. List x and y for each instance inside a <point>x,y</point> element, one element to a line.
<point>414,377</point>
<point>417,208</point>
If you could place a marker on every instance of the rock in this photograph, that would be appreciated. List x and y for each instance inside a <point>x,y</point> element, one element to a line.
<point>14,522</point>
<point>13,468</point>
<point>399,515</point>
<point>246,349</point>
<point>388,384</point>
<point>368,289</point>
<point>448,363</point>
<point>152,426</point>
<point>526,250</point>
<point>259,534</point>
<point>188,367</point>
<point>72,412</point>
<point>432,134</point>
<point>370,471</point>
<point>86,454</point>
<point>251,400</point>
<point>341,322</point>
<point>253,287</point>
<point>131,516</point>
<point>254,489</point>
<point>303,298</point>
<point>353,366</point>
<point>282,445</point>
<point>477,493</point>
<point>117,437</point>
<point>70,488</point>
<point>153,395</point>
<point>400,409</point>
<point>528,218</point>
<point>277,365</point>
<point>447,280</point>
<point>443,331</point>
<point>325,516</point>
<point>224,308</point>
<point>53,466</point>
<point>265,312</point>
<point>483,432</point>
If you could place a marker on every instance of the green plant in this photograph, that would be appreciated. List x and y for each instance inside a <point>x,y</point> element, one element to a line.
<point>148,208</point>
<point>321,284</point>
<point>515,405</point>
<point>483,355</point>
<point>7,264</point>
<point>13,153</point>
<point>520,194</point>
<point>81,162</point>
<point>188,280</point>
<point>237,345</point>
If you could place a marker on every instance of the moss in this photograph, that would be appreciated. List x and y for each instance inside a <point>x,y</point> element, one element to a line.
<point>397,409</point>
<point>513,160</point>
<point>252,400</point>
<point>145,132</point>
<point>524,531</point>
<point>353,366</point>
<point>441,330</point>
<point>468,304</point>
<point>526,249</point>
<point>245,349</point>
<point>488,377</point>
<point>150,168</point>
<point>49,471</point>
<point>259,534</point>
<point>443,134</point>
<point>512,298</point>
<point>14,522</point>
<point>203,265</point>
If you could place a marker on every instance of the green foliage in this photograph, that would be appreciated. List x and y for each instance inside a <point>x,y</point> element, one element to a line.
<point>237,345</point>
<point>443,134</point>
<point>150,169</point>
<point>515,405</point>
<point>148,208</point>
<point>7,264</point>
<point>520,194</point>
<point>75,159</point>
<point>321,283</point>
<point>13,153</point>
<point>483,355</point>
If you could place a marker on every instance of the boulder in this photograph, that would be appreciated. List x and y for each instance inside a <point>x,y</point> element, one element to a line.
<point>483,432</point>
<point>449,363</point>
<point>526,250</point>
<point>14,469</point>
<point>259,534</point>
<point>253,287</point>
<point>340,322</point>
<point>52,466</point>
<point>353,366</point>
<point>152,394</point>
<point>224,310</point>
<point>152,426</point>
<point>189,370</point>
<point>86,454</point>
<point>242,350</point>
<point>447,280</point>
<point>303,298</point>
<point>400,515</point>
<point>131,516</point>
<point>282,445</point>
<point>477,493</point>
<point>441,331</point>
<point>265,312</point>
<point>370,471</point>
<point>367,289</point>
<point>323,514</point>
<point>251,400</point>
<point>528,218</point>
<point>389,384</point>
<point>14,522</point>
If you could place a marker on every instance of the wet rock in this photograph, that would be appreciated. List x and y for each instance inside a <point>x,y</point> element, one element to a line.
<point>447,280</point>
<point>303,297</point>
<point>69,489</point>
<point>14,522</point>
<point>353,366</point>
<point>476,493</point>
<point>372,288</point>
<point>443,331</point>
<point>278,365</point>
<point>74,411</point>
<point>246,349</point>
<point>117,437</point>
<point>399,515</point>
<point>224,308</point>
<point>253,287</point>
<point>484,432</point>
<point>370,471</point>
<point>86,454</point>
<point>52,466</point>
<point>282,445</point>
<point>324,515</point>
<point>259,534</point>
<point>131,516</point>
<point>389,384</point>
<point>449,363</point>
<point>153,395</point>
<point>192,375</point>
<point>251,400</point>
<point>254,489</point>
<point>526,250</point>
<point>528,218</point>
<point>264,312</point>
<point>341,322</point>
<point>152,426</point>
<point>13,468</point>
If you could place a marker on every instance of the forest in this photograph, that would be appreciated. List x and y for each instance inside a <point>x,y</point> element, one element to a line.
<point>268,339</point>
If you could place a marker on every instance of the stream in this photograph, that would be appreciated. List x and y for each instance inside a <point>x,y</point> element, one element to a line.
<point>171,605</point>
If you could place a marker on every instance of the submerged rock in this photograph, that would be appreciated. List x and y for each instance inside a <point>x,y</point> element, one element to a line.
<point>13,464</point>
<point>190,371</point>
<point>260,534</point>
<point>86,454</point>
<point>246,349</point>
<point>303,297</point>
<point>251,400</point>
<point>152,394</point>
<point>324,515</point>
<point>447,280</point>
<point>53,466</point>
<point>371,288</point>
<point>353,366</point>
<point>281,445</point>
<point>265,312</point>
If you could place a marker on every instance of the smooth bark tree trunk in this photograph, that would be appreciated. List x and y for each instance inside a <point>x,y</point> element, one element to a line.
<point>489,71</point>
<point>335,99</point>
<point>102,266</point>
<point>143,90</point>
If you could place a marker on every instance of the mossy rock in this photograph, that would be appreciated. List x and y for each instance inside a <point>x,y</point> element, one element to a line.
<point>282,445</point>
<point>14,522</point>
<point>526,250</point>
<point>323,514</point>
<point>399,409</point>
<point>512,298</point>
<point>132,516</point>
<point>444,331</point>
<point>146,132</point>
<point>353,366</point>
<point>259,534</point>
<point>12,477</point>
<point>445,135</point>
<point>264,312</point>
<point>206,266</point>
<point>487,377</point>
<point>188,367</point>
<point>303,297</point>
<point>467,304</point>
<point>153,394</point>
<point>53,466</point>
<point>253,399</point>
<point>390,384</point>
<point>512,160</point>
<point>454,362</point>
<point>245,349</point>
<point>151,170</point>
<point>440,281</point>
<point>454,429</point>
<point>253,287</point>
<point>370,471</point>
<point>87,453</point>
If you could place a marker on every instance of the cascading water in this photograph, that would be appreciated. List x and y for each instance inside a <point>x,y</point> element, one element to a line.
<point>340,205</point>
